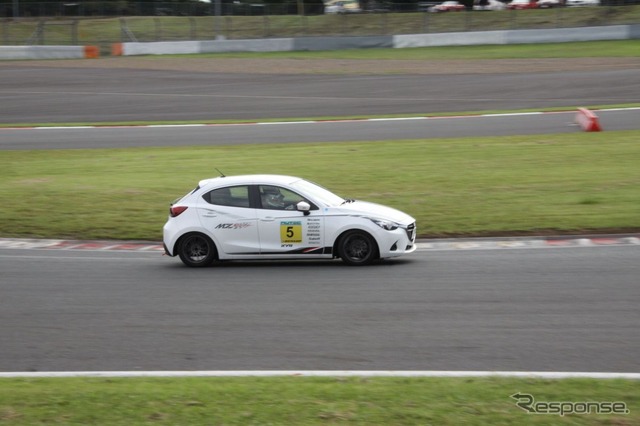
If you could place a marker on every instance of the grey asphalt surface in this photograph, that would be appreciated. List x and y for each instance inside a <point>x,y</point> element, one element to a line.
<point>556,309</point>
<point>31,94</point>
<point>79,138</point>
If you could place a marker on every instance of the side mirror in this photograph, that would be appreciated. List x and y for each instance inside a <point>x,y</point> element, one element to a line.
<point>303,207</point>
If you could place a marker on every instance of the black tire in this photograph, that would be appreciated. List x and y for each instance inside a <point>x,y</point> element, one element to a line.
<point>197,250</point>
<point>357,248</point>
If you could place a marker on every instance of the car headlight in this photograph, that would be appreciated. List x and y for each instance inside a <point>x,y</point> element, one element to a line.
<point>385,224</point>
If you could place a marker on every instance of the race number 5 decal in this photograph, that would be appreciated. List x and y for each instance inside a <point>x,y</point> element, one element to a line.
<point>290,232</point>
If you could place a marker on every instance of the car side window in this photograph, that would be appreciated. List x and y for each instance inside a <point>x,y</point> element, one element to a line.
<point>278,198</point>
<point>232,196</point>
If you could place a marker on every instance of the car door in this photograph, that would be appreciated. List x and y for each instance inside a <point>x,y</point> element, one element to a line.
<point>227,214</point>
<point>285,231</point>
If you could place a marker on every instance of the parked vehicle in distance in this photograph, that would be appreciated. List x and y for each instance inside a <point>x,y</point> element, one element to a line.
<point>424,6</point>
<point>548,4</point>
<point>489,5</point>
<point>447,6</point>
<point>578,3</point>
<point>342,6</point>
<point>281,217</point>
<point>522,4</point>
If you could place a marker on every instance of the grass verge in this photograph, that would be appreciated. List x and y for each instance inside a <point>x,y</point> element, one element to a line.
<point>304,401</point>
<point>569,183</point>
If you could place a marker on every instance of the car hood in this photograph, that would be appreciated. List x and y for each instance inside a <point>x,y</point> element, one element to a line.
<point>373,210</point>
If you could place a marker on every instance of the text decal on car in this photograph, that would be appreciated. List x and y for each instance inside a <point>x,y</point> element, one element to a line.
<point>233,225</point>
<point>290,232</point>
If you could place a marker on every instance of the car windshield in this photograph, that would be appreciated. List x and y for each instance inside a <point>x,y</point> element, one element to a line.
<point>318,193</point>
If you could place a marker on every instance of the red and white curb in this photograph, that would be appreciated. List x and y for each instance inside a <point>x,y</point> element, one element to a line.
<point>32,244</point>
<point>529,243</point>
<point>423,245</point>
<point>322,373</point>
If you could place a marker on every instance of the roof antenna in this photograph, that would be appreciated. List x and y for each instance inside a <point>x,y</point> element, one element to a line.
<point>221,174</point>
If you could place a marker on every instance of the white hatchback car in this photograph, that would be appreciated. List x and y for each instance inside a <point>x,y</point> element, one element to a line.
<point>281,217</point>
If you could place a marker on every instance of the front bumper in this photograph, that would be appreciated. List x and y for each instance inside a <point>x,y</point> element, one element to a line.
<point>398,242</point>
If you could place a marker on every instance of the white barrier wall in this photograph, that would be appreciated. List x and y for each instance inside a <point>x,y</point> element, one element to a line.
<point>45,52</point>
<point>255,45</point>
<point>161,48</point>
<point>252,45</point>
<point>339,43</point>
<point>559,35</point>
<point>449,39</point>
<point>614,32</point>
<point>553,35</point>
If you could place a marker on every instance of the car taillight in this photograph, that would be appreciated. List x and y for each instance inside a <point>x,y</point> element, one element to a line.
<point>176,210</point>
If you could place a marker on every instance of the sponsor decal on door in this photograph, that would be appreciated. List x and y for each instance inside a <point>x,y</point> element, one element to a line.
<point>290,232</point>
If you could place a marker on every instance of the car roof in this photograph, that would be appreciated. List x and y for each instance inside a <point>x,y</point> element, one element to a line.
<point>248,180</point>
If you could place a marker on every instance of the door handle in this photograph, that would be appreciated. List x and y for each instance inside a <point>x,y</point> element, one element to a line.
<point>210,215</point>
<point>268,219</point>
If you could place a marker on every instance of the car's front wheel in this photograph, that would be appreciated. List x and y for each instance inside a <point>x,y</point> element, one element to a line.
<point>197,250</point>
<point>357,248</point>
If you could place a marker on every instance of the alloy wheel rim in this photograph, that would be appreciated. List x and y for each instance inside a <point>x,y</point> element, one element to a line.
<point>197,249</point>
<point>357,248</point>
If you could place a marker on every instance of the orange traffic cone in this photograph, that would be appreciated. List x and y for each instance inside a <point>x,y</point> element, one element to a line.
<point>588,120</point>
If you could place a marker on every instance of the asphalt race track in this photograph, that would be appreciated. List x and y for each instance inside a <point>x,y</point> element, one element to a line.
<point>556,309</point>
<point>31,94</point>
<point>116,137</point>
<point>553,309</point>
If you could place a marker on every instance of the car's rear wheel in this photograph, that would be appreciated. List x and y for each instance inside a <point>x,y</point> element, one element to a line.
<point>197,250</point>
<point>357,248</point>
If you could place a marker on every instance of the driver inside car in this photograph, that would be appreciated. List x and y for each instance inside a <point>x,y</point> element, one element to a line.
<point>272,198</point>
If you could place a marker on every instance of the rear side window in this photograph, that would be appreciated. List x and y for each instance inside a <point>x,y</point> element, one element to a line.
<point>231,196</point>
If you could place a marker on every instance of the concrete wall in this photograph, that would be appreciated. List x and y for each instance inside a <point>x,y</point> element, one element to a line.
<point>449,39</point>
<point>48,52</point>
<point>161,48</point>
<point>339,43</point>
<point>256,45</point>
<point>557,35</point>
<point>615,32</point>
